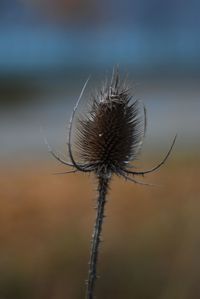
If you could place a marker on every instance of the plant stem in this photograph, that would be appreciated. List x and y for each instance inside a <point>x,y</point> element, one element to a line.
<point>103,184</point>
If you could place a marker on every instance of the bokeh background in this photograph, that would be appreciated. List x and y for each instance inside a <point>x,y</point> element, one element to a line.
<point>151,234</point>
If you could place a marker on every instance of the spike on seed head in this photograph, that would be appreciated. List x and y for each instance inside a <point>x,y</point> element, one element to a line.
<point>110,136</point>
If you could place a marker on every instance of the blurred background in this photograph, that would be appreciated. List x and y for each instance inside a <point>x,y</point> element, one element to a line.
<point>151,235</point>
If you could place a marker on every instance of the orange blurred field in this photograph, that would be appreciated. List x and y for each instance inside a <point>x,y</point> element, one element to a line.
<point>151,235</point>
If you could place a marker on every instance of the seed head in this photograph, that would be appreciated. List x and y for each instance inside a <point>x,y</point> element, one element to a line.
<point>109,137</point>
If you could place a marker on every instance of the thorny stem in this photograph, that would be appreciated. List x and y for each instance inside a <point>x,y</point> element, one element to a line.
<point>103,184</point>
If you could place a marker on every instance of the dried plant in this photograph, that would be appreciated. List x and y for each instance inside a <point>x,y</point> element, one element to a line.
<point>108,139</point>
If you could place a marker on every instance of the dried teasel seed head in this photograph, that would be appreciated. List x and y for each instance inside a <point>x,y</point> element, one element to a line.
<point>109,137</point>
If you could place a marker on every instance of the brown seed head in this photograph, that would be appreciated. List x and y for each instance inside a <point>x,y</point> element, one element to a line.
<point>110,136</point>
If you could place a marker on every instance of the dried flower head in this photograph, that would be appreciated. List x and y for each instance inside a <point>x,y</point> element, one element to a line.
<point>110,135</point>
<point>109,138</point>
